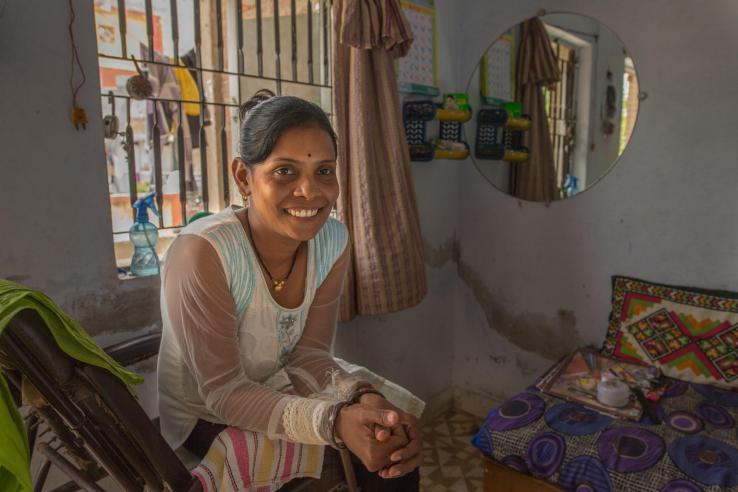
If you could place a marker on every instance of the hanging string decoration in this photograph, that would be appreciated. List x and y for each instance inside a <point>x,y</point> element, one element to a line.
<point>79,117</point>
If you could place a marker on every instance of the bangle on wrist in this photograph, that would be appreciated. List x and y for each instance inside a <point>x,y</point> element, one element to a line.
<point>356,395</point>
<point>332,420</point>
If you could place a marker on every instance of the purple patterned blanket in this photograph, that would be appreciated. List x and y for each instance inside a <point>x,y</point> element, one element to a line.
<point>695,448</point>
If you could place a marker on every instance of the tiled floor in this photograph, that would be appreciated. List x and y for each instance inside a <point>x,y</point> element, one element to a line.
<point>450,462</point>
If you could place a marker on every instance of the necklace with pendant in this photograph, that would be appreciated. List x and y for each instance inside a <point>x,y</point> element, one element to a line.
<point>277,284</point>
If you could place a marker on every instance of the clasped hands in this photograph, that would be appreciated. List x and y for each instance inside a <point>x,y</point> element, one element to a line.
<point>385,439</point>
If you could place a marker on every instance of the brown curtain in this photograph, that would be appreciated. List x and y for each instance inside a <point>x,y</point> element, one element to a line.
<point>535,179</point>
<point>377,200</point>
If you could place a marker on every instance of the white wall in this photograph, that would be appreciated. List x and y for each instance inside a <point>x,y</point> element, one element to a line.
<point>536,278</point>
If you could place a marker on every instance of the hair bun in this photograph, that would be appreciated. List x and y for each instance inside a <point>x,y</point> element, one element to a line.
<point>258,98</point>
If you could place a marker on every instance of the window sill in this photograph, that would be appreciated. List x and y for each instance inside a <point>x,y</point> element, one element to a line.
<point>124,273</point>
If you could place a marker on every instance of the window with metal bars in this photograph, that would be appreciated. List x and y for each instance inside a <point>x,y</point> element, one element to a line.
<point>203,59</point>
<point>630,104</point>
<point>561,110</point>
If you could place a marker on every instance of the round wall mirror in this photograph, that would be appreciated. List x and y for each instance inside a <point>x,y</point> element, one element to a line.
<point>555,101</point>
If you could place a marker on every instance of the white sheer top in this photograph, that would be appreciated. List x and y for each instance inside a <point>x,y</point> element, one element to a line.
<point>230,353</point>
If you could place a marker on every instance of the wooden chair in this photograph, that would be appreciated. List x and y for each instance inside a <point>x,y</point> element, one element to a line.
<point>99,427</point>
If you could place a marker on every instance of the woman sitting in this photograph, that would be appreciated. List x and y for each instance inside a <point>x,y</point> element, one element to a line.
<point>249,308</point>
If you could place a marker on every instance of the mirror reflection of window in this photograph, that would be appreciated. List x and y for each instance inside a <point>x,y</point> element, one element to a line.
<point>570,114</point>
<point>630,103</point>
<point>561,110</point>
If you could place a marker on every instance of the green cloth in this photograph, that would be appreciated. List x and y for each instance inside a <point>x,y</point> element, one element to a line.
<point>15,457</point>
<point>72,339</point>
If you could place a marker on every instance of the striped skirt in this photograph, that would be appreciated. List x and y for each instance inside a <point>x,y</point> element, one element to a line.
<point>249,461</point>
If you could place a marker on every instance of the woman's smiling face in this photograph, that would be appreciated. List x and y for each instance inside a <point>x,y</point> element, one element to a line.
<point>293,191</point>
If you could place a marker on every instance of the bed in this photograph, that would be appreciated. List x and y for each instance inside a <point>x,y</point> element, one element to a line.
<point>538,437</point>
<point>694,448</point>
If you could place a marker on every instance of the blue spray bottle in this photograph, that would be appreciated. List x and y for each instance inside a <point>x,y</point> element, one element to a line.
<point>571,185</point>
<point>143,236</point>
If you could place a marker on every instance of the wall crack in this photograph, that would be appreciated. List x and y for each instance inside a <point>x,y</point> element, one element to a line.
<point>548,336</point>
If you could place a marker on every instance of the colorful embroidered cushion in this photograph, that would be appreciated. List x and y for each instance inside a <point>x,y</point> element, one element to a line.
<point>691,334</point>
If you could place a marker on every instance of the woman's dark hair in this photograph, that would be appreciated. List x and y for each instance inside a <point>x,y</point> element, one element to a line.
<point>265,117</point>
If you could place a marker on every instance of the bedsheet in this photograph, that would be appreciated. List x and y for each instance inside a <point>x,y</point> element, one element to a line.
<point>694,448</point>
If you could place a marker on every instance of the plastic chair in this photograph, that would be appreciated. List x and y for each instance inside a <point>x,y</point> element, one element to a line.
<point>101,427</point>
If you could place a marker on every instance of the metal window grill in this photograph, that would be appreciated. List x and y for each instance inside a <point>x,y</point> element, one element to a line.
<point>629,106</point>
<point>228,40</point>
<point>561,110</point>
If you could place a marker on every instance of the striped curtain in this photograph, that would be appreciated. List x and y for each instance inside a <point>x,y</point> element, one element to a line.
<point>377,200</point>
<point>535,180</point>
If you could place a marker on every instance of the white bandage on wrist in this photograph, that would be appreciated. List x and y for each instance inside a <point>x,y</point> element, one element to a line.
<point>304,419</point>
